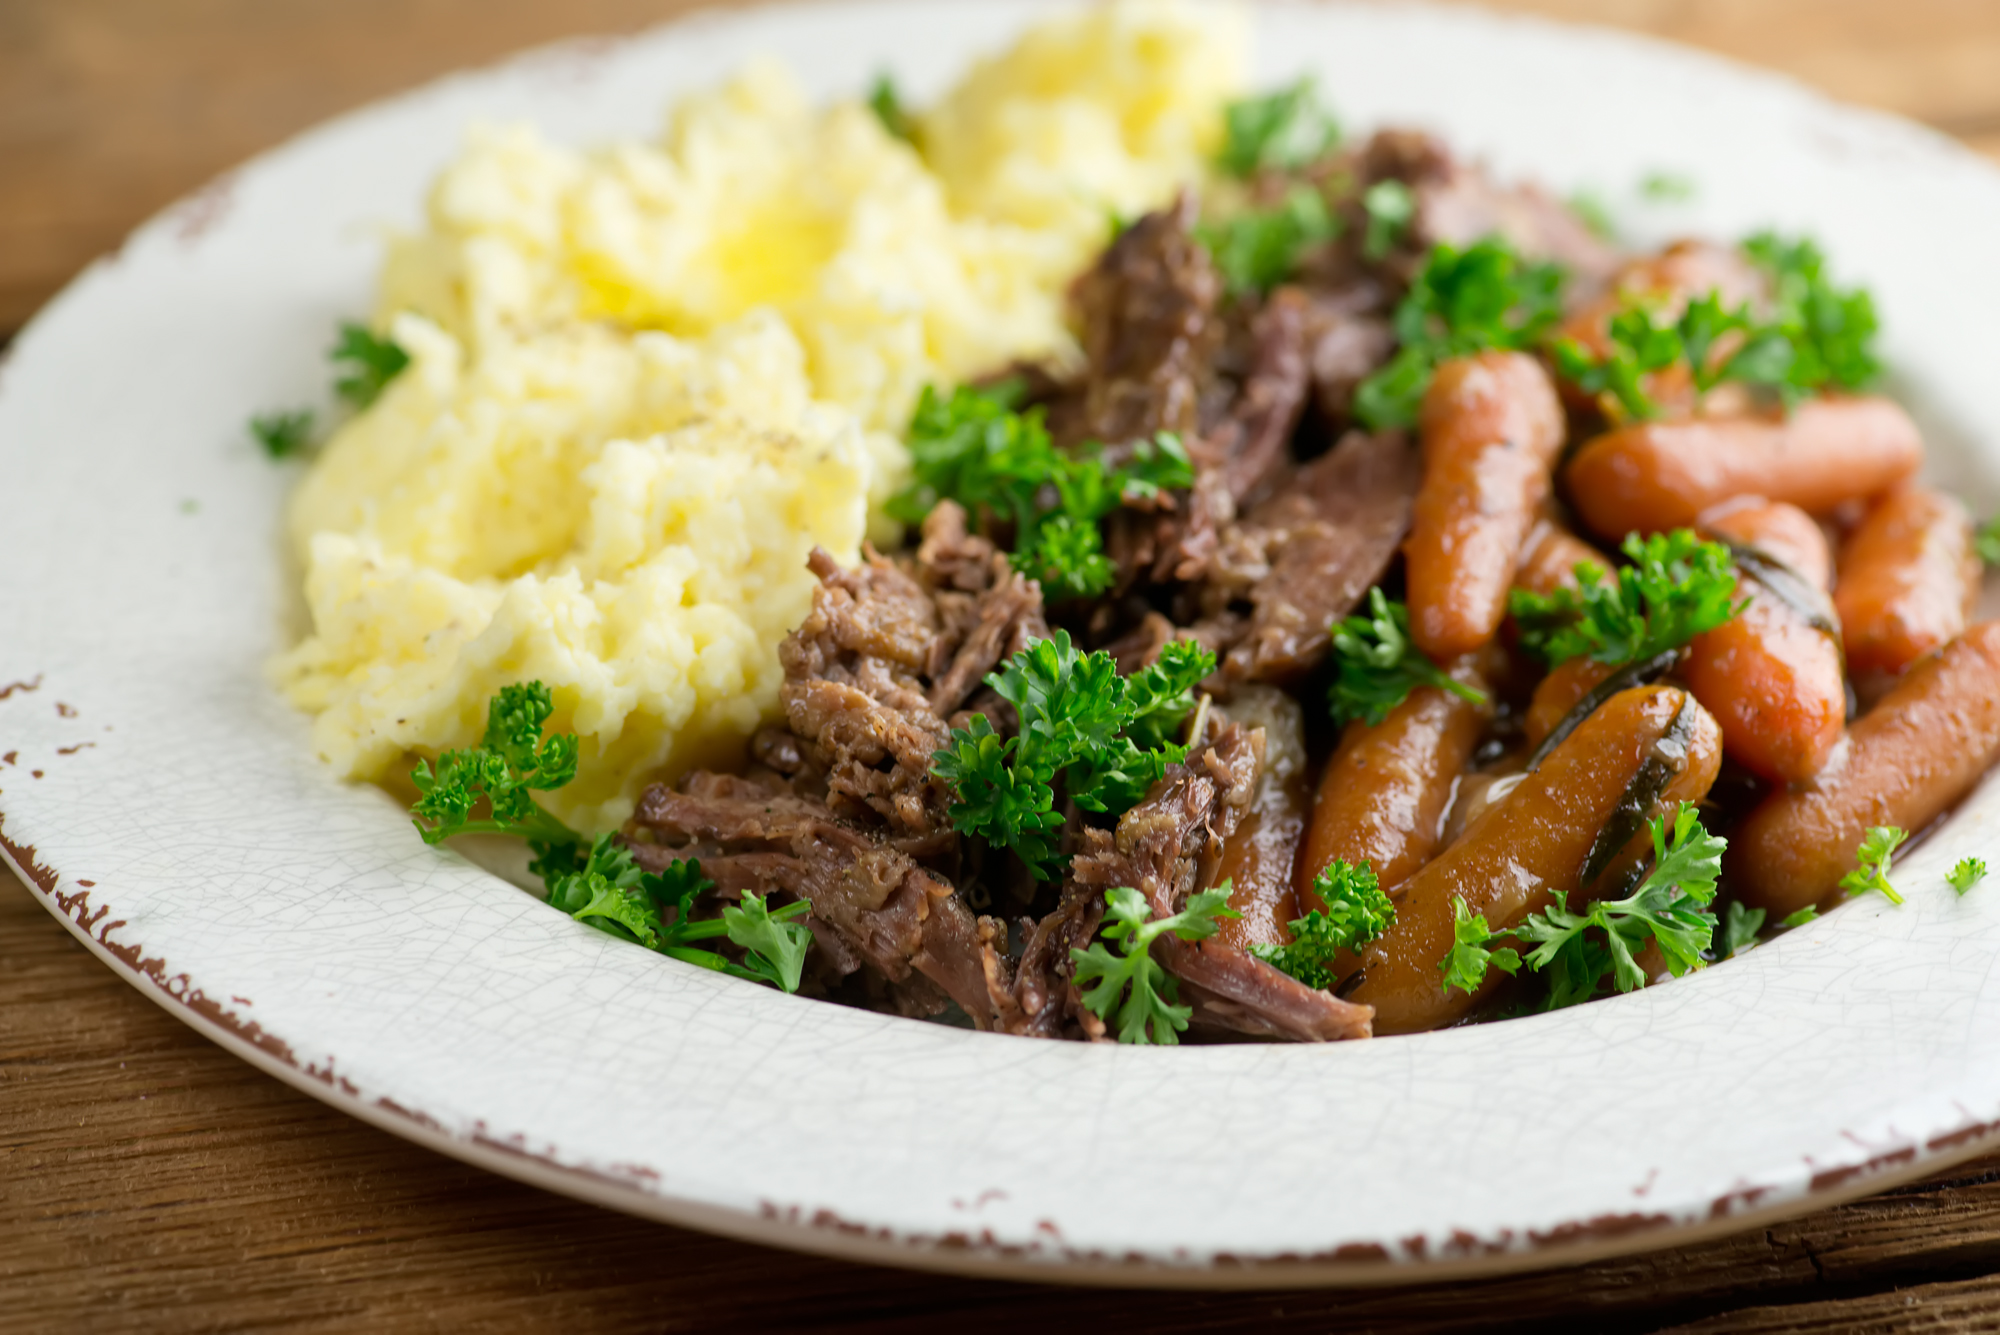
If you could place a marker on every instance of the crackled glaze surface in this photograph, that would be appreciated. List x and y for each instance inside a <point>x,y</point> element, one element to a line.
<point>166,803</point>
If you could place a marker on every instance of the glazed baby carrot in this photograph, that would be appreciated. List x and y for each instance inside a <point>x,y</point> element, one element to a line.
<point>1908,580</point>
<point>1643,751</point>
<point>1907,761</point>
<point>1661,475</point>
<point>1783,532</point>
<point>1666,282</point>
<point>1558,693</point>
<point>1491,426</point>
<point>1550,557</point>
<point>1383,795</point>
<point>1771,675</point>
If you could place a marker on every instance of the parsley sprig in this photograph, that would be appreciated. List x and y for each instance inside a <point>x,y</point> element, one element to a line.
<point>1669,909</point>
<point>1872,862</point>
<point>1257,249</point>
<point>1817,336</point>
<point>973,447</point>
<point>1106,737</point>
<point>596,881</point>
<point>367,363</point>
<point>1130,989</point>
<point>283,434</point>
<point>1676,587</point>
<point>1968,873</point>
<point>1464,301</point>
<point>1377,666</point>
<point>1740,927</point>
<point>1391,206</point>
<point>887,104</point>
<point>1472,950</point>
<point>1278,131</point>
<point>1357,912</point>
<point>1986,542</point>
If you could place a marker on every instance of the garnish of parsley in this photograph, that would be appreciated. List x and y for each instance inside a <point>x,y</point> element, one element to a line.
<point>1356,912</point>
<point>1464,301</point>
<point>1107,738</point>
<point>1376,665</point>
<point>1128,989</point>
<point>1675,587</point>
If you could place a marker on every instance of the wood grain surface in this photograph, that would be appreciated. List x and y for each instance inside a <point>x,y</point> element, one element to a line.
<point>148,1180</point>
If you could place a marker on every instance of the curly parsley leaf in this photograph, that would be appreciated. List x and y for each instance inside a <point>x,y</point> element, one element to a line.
<point>887,104</point>
<point>283,435</point>
<point>1591,210</point>
<point>1279,131</point>
<point>1669,909</point>
<point>774,944</point>
<point>1391,206</point>
<point>594,880</point>
<point>1830,330</point>
<point>1740,927</point>
<point>1871,862</point>
<point>1676,587</point>
<point>974,448</point>
<point>1800,918</point>
<point>1376,665</point>
<point>1005,795</point>
<point>1987,542</point>
<point>1968,873</point>
<point>511,762</point>
<point>1129,989</point>
<point>1664,187</point>
<point>1257,249</point>
<point>366,363</point>
<point>1472,952</point>
<point>1464,301</point>
<point>1356,912</point>
<point>1816,336</point>
<point>1106,737</point>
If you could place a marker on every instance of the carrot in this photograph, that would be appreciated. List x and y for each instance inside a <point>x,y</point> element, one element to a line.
<point>1491,428</point>
<point>1558,693</point>
<point>1662,475</point>
<point>1642,751</point>
<point>1908,580</point>
<point>1257,856</point>
<point>1773,680</point>
<point>1666,282</point>
<point>1783,532</point>
<point>1907,761</point>
<point>1549,559</point>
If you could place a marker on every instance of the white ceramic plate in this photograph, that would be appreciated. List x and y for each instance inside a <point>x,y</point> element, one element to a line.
<point>167,805</point>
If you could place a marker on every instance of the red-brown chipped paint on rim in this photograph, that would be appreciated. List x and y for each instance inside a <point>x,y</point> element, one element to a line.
<point>637,1188</point>
<point>23,687</point>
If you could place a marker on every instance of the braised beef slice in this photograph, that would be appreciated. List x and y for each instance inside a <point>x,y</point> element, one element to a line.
<point>872,901</point>
<point>1148,313</point>
<point>1167,847</point>
<point>1348,338</point>
<point>1324,540</point>
<point>1165,352</point>
<point>1460,202</point>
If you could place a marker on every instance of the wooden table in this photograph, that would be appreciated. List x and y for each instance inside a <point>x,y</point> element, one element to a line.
<point>149,1179</point>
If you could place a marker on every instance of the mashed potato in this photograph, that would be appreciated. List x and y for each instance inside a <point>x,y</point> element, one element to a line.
<point>646,380</point>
